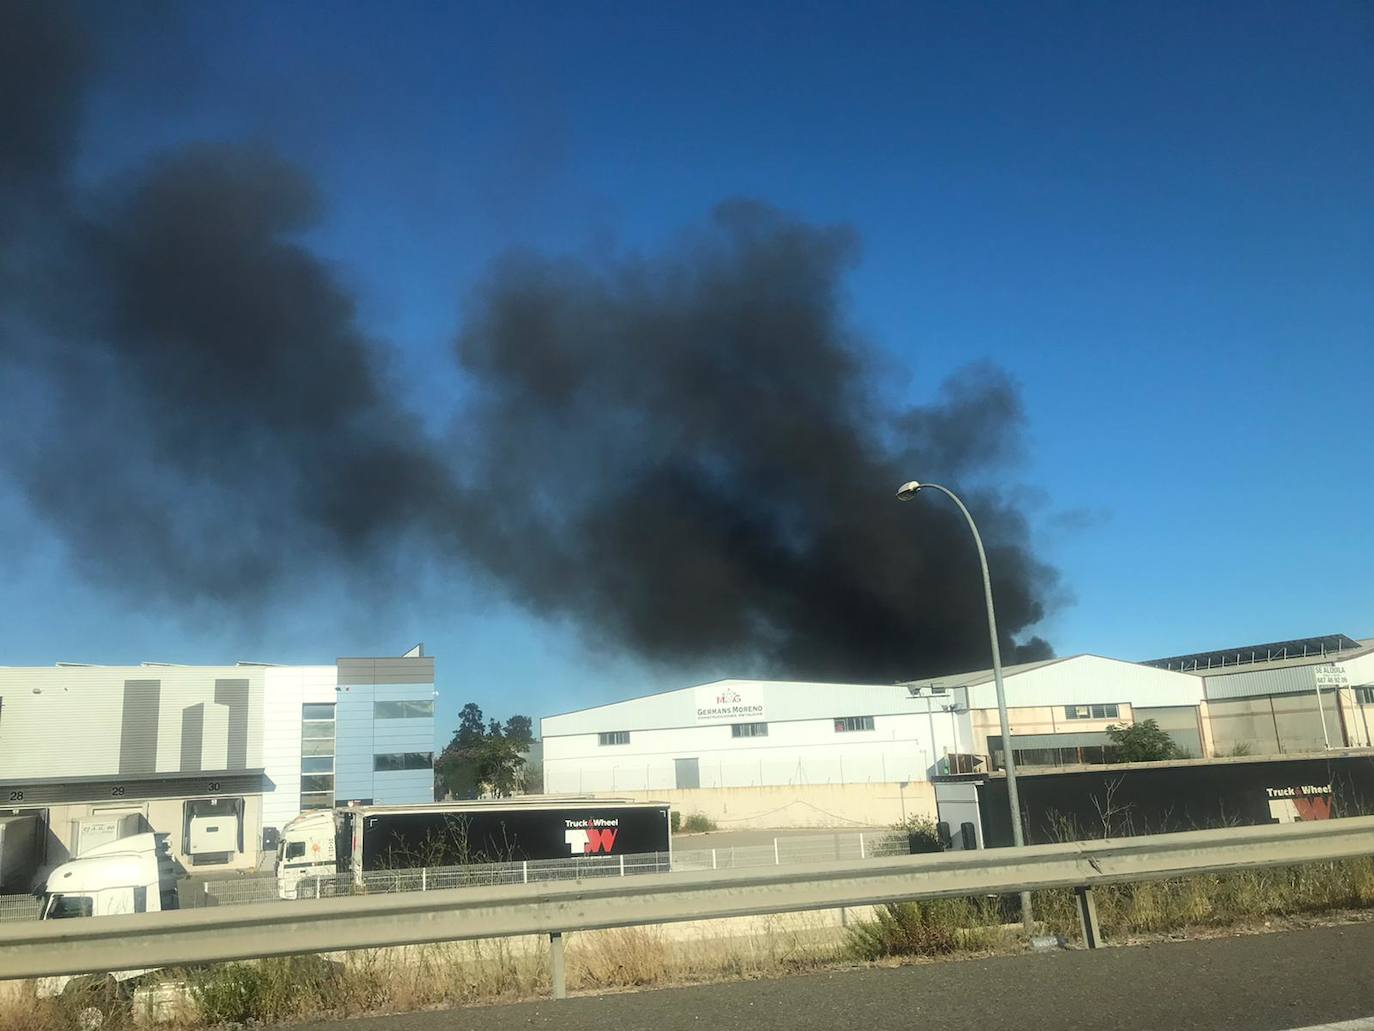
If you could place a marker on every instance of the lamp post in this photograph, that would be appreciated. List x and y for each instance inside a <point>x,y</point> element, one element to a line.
<point>907,492</point>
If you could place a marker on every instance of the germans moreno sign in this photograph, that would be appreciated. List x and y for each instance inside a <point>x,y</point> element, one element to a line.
<point>721,703</point>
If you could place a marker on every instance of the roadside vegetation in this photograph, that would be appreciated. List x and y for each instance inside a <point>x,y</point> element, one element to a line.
<point>458,974</point>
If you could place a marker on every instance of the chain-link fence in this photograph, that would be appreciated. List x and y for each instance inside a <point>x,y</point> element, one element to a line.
<point>788,850</point>
<point>18,907</point>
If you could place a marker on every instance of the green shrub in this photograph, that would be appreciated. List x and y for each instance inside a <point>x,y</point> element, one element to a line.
<point>269,990</point>
<point>675,821</point>
<point>698,823</point>
<point>914,834</point>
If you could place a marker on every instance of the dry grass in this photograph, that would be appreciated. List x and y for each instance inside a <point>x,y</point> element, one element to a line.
<point>423,977</point>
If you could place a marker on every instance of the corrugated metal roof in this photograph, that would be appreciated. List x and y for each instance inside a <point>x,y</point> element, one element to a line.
<point>982,676</point>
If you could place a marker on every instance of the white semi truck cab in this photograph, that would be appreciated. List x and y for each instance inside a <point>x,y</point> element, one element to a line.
<point>131,875</point>
<point>307,850</point>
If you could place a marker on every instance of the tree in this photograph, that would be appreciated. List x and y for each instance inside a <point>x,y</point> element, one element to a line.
<point>1142,742</point>
<point>482,756</point>
<point>520,729</point>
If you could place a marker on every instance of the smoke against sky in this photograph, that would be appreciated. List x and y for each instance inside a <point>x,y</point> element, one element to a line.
<point>688,452</point>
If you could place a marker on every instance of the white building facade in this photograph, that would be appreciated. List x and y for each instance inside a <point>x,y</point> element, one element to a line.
<point>215,757</point>
<point>750,733</point>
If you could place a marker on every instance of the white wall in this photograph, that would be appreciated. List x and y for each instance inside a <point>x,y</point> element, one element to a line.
<point>285,689</point>
<point>795,752</point>
<point>1083,679</point>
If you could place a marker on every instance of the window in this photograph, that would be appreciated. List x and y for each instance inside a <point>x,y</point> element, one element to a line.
<point>321,747</point>
<point>65,906</point>
<point>749,730</point>
<point>1365,694</point>
<point>317,755</point>
<point>1092,712</point>
<point>614,737</point>
<point>848,723</point>
<point>295,850</point>
<point>404,710</point>
<point>390,762</point>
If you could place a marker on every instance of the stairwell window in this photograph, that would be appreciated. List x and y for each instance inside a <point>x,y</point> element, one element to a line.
<point>749,730</point>
<point>845,724</point>
<point>614,737</point>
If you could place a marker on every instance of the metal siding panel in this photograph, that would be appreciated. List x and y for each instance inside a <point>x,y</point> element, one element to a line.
<point>1288,680</point>
<point>138,727</point>
<point>234,695</point>
<point>192,737</point>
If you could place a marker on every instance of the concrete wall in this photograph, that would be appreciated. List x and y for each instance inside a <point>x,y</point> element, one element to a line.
<point>818,805</point>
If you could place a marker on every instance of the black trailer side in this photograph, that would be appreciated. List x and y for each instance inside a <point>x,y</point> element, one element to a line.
<point>455,837</point>
<point>1156,798</point>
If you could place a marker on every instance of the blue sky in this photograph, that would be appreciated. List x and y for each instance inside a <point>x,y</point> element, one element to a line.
<point>1159,220</point>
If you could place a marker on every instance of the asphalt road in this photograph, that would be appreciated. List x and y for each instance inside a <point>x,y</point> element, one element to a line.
<point>1266,982</point>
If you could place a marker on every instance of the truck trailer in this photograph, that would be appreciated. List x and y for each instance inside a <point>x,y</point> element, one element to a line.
<point>359,840</point>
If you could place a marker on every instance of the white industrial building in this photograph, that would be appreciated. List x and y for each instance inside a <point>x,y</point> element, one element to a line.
<point>218,758</point>
<point>736,734</point>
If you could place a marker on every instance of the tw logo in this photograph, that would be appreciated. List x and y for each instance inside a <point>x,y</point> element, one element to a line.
<point>589,840</point>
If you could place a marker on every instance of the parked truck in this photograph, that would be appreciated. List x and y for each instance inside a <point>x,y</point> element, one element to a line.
<point>131,875</point>
<point>358,840</point>
<point>21,837</point>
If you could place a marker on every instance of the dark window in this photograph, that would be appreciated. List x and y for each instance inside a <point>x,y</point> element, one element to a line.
<point>311,782</point>
<point>848,723</point>
<point>390,762</point>
<point>317,764</point>
<point>317,711</point>
<point>67,906</point>
<point>403,710</point>
<point>295,849</point>
<point>614,737</point>
<point>1365,694</point>
<point>749,730</point>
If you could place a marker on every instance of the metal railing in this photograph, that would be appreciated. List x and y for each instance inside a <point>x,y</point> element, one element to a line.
<point>237,891</point>
<point>152,940</point>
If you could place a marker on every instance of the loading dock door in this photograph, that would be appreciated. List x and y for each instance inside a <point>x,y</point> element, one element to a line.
<point>688,773</point>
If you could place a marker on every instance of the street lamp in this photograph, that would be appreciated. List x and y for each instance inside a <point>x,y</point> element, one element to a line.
<point>907,492</point>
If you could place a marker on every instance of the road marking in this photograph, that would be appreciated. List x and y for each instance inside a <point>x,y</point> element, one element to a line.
<point>1361,1024</point>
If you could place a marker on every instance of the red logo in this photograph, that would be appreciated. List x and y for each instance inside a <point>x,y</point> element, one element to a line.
<point>600,839</point>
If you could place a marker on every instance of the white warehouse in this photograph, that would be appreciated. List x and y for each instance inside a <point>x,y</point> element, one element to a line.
<point>748,733</point>
<point>752,733</point>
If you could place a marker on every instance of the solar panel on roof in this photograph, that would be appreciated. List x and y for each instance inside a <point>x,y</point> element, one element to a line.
<point>1273,651</point>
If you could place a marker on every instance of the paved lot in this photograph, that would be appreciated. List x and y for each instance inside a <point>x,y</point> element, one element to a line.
<point>1251,983</point>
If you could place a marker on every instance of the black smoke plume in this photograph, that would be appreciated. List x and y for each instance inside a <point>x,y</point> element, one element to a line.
<point>687,453</point>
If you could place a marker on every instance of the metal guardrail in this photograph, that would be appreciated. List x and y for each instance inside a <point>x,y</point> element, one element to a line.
<point>410,918</point>
<point>810,848</point>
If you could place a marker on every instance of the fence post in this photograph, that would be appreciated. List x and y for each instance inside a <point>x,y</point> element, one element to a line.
<point>1087,918</point>
<point>622,864</point>
<point>861,846</point>
<point>317,886</point>
<point>525,871</point>
<point>713,859</point>
<point>424,878</point>
<point>776,860</point>
<point>556,973</point>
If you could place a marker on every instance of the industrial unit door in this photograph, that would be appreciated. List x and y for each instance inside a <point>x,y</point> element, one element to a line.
<point>688,772</point>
